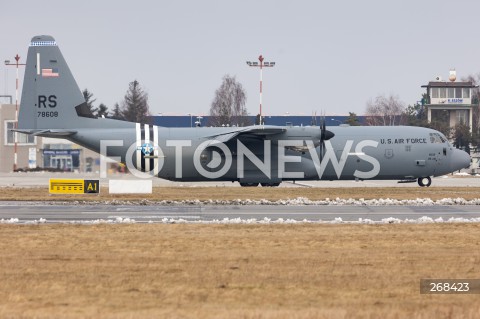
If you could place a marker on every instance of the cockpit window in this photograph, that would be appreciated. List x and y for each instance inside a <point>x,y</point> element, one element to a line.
<point>437,138</point>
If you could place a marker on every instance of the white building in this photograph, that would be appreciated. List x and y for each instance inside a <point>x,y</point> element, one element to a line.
<point>28,146</point>
<point>451,100</point>
<point>41,152</point>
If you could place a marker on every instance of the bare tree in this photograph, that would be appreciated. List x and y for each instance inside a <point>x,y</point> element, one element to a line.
<point>135,104</point>
<point>228,106</point>
<point>385,111</point>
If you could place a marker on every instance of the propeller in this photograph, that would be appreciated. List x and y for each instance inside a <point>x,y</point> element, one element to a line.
<point>325,135</point>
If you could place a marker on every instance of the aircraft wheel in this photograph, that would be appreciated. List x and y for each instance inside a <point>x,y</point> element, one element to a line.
<point>249,184</point>
<point>424,181</point>
<point>270,184</point>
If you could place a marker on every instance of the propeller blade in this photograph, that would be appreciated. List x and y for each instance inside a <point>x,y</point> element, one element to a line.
<point>322,146</point>
<point>325,135</point>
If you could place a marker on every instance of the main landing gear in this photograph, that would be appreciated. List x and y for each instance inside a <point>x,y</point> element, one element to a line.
<point>269,184</point>
<point>424,181</point>
<point>249,184</point>
<point>256,184</point>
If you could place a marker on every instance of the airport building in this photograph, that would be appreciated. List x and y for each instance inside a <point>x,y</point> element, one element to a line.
<point>63,155</point>
<point>451,101</point>
<point>46,153</point>
<point>28,154</point>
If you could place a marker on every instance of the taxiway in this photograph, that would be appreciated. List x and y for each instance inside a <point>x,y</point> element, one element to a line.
<point>32,211</point>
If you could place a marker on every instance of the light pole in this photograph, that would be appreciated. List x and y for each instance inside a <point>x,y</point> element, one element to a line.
<point>198,122</point>
<point>15,125</point>
<point>261,65</point>
<point>191,125</point>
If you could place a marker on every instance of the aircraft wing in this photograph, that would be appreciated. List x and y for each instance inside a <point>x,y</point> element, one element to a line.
<point>259,132</point>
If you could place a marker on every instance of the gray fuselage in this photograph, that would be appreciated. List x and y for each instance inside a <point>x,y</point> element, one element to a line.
<point>353,153</point>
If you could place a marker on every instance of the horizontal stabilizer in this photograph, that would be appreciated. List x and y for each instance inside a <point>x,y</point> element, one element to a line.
<point>47,133</point>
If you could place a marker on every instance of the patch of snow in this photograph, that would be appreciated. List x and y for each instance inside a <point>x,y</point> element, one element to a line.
<point>9,221</point>
<point>264,221</point>
<point>462,174</point>
<point>299,201</point>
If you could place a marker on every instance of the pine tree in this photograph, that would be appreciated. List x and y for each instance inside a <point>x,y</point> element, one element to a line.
<point>117,112</point>
<point>88,99</point>
<point>135,104</point>
<point>462,136</point>
<point>352,119</point>
<point>102,110</point>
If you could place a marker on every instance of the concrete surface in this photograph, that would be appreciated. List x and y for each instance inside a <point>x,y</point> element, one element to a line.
<point>41,179</point>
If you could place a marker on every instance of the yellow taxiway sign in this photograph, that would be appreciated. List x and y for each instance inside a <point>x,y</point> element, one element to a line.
<point>74,186</point>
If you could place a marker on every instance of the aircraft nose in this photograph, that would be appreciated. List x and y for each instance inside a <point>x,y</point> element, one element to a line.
<point>460,159</point>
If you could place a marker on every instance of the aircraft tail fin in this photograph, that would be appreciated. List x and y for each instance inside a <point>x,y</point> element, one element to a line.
<point>51,98</point>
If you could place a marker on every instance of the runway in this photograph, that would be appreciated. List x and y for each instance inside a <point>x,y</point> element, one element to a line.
<point>41,179</point>
<point>28,212</point>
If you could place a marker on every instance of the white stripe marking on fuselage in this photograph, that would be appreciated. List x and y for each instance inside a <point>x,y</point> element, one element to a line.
<point>139,146</point>
<point>38,63</point>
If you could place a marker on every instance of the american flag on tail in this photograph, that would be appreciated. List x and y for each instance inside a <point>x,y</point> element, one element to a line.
<point>50,73</point>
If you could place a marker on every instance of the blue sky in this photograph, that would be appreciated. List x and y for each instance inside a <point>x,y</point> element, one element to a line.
<point>331,56</point>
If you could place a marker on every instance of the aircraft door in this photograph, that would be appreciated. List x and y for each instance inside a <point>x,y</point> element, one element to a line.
<point>440,157</point>
<point>432,160</point>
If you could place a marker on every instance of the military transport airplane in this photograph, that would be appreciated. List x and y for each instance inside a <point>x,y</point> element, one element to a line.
<point>52,105</point>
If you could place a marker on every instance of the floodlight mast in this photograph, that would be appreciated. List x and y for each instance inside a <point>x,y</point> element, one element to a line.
<point>15,125</point>
<point>261,65</point>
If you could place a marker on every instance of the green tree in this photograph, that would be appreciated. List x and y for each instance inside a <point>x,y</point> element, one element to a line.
<point>257,120</point>
<point>416,115</point>
<point>352,119</point>
<point>462,137</point>
<point>135,106</point>
<point>476,140</point>
<point>102,110</point>
<point>88,96</point>
<point>475,79</point>
<point>117,112</point>
<point>228,105</point>
<point>441,122</point>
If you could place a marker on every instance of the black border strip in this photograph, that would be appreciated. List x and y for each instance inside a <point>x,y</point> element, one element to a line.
<point>152,153</point>
<point>142,141</point>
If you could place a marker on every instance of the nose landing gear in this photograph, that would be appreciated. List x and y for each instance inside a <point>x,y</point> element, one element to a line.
<point>424,181</point>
